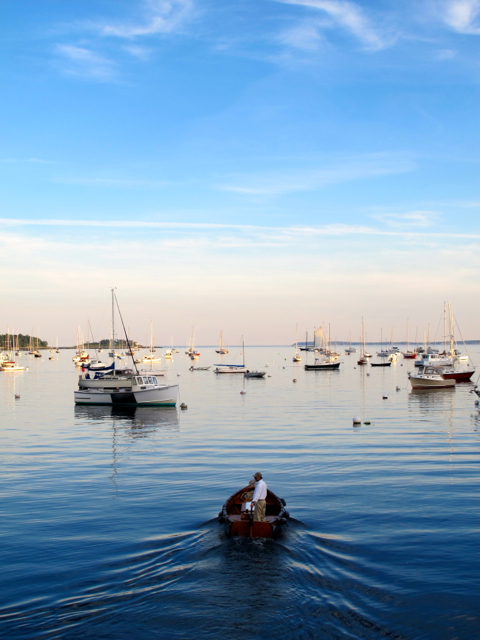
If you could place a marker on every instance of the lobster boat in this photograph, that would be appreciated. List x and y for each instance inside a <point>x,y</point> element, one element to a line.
<point>237,515</point>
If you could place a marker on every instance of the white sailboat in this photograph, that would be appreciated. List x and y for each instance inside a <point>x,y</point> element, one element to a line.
<point>151,357</point>
<point>350,348</point>
<point>232,368</point>
<point>296,357</point>
<point>221,350</point>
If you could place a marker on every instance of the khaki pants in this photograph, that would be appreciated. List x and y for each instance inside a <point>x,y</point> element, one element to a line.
<point>259,513</point>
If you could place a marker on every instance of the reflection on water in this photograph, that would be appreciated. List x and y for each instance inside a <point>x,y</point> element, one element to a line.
<point>135,418</point>
<point>426,400</point>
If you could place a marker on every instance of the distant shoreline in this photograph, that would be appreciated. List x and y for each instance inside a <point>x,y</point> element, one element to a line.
<point>271,346</point>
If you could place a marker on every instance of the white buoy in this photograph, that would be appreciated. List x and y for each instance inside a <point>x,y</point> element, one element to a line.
<point>398,388</point>
<point>178,375</point>
<point>242,392</point>
<point>356,420</point>
<point>183,406</point>
<point>17,397</point>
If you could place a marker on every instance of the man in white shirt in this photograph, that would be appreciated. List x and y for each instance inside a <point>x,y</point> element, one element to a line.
<point>259,496</point>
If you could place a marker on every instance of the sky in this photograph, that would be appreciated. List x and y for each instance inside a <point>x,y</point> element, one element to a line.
<point>251,166</point>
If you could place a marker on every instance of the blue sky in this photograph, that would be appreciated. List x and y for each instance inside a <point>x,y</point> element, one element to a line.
<point>243,166</point>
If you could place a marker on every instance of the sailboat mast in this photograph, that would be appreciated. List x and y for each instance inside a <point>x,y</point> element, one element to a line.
<point>113,331</point>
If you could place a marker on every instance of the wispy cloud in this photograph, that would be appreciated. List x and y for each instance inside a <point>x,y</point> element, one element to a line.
<point>158,16</point>
<point>461,15</point>
<point>288,233</point>
<point>446,54</point>
<point>304,36</point>
<point>142,53</point>
<point>350,17</point>
<point>117,183</point>
<point>84,62</point>
<point>409,220</point>
<point>367,166</point>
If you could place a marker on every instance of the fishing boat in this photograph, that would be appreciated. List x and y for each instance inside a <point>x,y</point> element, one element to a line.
<point>124,387</point>
<point>322,364</point>
<point>237,515</point>
<point>429,378</point>
<point>221,350</point>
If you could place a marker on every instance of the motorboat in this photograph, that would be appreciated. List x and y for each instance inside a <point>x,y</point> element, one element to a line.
<point>459,375</point>
<point>433,359</point>
<point>429,378</point>
<point>381,364</point>
<point>254,374</point>
<point>192,368</point>
<point>237,515</point>
<point>409,355</point>
<point>322,364</point>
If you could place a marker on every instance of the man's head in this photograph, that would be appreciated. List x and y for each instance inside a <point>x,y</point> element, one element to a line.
<point>257,476</point>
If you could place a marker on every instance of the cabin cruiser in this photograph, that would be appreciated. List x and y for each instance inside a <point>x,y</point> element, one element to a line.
<point>432,359</point>
<point>430,378</point>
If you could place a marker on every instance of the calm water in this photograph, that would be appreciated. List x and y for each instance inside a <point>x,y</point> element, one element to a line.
<point>108,517</point>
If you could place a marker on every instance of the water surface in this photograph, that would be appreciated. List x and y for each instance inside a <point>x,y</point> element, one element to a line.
<point>109,528</point>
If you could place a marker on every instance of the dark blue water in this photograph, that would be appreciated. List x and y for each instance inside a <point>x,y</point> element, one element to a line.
<point>108,517</point>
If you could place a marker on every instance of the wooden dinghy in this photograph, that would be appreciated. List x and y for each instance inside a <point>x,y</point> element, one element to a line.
<point>240,522</point>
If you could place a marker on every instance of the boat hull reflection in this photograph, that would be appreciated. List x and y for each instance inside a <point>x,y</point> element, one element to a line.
<point>165,417</point>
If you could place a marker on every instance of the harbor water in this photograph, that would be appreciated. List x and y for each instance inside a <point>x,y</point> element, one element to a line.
<point>109,525</point>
